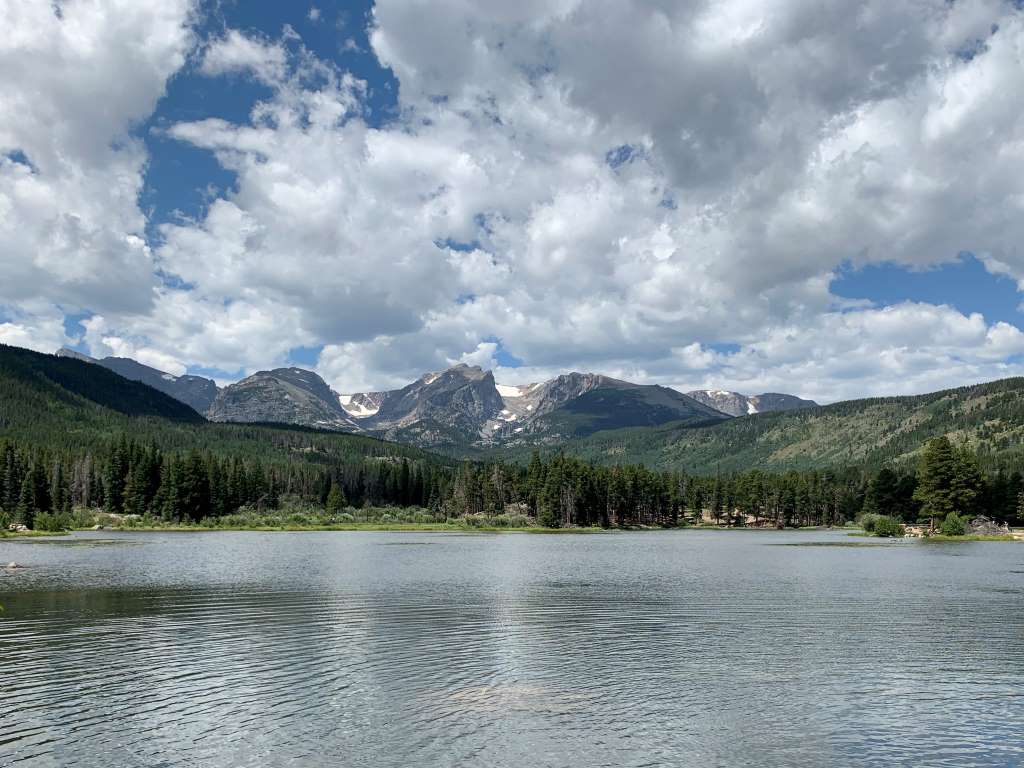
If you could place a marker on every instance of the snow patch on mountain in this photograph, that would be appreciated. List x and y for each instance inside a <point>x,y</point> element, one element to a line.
<point>511,390</point>
<point>360,406</point>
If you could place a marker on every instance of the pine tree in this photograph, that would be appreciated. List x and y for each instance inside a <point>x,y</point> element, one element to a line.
<point>335,500</point>
<point>883,494</point>
<point>34,496</point>
<point>936,479</point>
<point>116,476</point>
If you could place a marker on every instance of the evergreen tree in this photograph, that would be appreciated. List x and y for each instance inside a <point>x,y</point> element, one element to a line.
<point>335,500</point>
<point>116,475</point>
<point>34,496</point>
<point>953,525</point>
<point>883,494</point>
<point>936,479</point>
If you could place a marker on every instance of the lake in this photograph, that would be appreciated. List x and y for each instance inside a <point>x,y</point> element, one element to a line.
<point>674,648</point>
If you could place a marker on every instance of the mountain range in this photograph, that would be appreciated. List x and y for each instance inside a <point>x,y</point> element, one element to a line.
<point>602,420</point>
<point>457,409</point>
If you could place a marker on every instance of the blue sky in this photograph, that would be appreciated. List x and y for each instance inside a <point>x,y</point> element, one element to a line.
<point>964,284</point>
<point>378,189</point>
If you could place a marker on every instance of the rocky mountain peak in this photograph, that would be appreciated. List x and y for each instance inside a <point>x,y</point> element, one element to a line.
<point>282,395</point>
<point>736,404</point>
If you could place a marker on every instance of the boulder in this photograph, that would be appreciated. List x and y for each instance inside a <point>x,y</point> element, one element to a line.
<point>986,526</point>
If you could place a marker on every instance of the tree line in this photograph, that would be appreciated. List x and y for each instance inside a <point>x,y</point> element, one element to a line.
<point>135,478</point>
<point>132,477</point>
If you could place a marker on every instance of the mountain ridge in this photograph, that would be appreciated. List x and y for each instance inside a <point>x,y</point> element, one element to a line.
<point>460,409</point>
<point>870,432</point>
<point>197,392</point>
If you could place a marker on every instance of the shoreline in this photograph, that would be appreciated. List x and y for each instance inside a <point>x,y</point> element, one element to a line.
<point>350,528</point>
<point>455,527</point>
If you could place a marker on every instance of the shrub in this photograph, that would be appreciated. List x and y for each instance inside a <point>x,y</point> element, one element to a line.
<point>887,527</point>
<point>52,522</point>
<point>953,525</point>
<point>868,521</point>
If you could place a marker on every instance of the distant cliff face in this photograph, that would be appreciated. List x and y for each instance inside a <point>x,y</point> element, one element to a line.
<point>195,391</point>
<point>283,395</point>
<point>735,404</point>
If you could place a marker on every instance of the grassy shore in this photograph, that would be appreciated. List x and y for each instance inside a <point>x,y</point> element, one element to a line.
<point>29,534</point>
<point>938,537</point>
<point>453,527</point>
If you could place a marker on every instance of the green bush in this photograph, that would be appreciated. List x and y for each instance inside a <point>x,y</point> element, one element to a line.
<point>868,521</point>
<point>887,527</point>
<point>953,525</point>
<point>52,522</point>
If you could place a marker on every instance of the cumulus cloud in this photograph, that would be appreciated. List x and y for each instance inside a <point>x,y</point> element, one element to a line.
<point>35,325</point>
<point>655,191</point>
<point>76,77</point>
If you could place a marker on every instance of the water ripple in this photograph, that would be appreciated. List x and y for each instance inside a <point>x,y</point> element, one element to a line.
<point>632,650</point>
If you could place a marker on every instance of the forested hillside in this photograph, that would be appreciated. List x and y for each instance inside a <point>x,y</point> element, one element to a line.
<point>41,393</point>
<point>987,418</point>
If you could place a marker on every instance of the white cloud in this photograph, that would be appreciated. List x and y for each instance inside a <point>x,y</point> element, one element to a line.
<point>754,148</point>
<point>37,326</point>
<point>236,53</point>
<point>75,78</point>
<point>903,349</point>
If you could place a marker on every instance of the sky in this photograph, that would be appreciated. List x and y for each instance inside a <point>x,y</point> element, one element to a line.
<point>822,198</point>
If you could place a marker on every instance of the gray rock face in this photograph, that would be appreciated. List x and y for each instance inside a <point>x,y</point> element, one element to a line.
<point>447,406</point>
<point>195,391</point>
<point>775,401</point>
<point>284,396</point>
<point>735,404</point>
<point>553,394</point>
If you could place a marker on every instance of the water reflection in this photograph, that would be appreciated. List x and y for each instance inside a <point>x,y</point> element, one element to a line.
<point>682,648</point>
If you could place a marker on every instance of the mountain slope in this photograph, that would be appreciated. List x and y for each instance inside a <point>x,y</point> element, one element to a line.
<point>735,404</point>
<point>195,391</point>
<point>988,417</point>
<point>577,405</point>
<point>44,390</point>
<point>281,396</point>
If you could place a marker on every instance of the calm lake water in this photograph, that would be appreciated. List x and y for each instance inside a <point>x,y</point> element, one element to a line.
<point>681,648</point>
